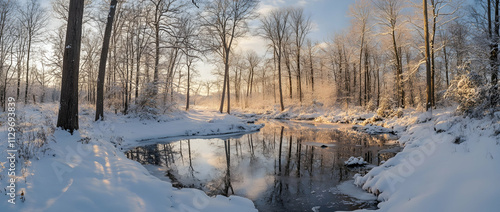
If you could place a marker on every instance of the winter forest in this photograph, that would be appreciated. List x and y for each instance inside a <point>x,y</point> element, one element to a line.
<point>249,105</point>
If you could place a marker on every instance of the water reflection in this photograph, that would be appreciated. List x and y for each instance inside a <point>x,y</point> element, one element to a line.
<point>284,167</point>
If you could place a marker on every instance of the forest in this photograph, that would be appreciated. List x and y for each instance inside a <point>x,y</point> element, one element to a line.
<point>147,55</point>
<point>117,74</point>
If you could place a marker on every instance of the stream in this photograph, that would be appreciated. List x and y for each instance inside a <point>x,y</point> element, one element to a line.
<point>286,166</point>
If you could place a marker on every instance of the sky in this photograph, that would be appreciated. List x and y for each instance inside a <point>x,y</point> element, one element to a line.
<point>327,17</point>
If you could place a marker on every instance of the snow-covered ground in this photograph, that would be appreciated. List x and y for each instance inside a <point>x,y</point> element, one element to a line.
<point>448,163</point>
<point>88,171</point>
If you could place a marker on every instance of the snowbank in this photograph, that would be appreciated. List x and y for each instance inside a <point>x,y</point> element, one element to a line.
<point>88,171</point>
<point>449,163</point>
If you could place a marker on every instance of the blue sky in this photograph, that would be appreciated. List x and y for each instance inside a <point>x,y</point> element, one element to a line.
<point>327,17</point>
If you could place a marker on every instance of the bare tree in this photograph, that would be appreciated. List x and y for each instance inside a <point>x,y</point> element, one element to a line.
<point>68,110</point>
<point>389,15</point>
<point>275,27</point>
<point>102,63</point>
<point>163,9</point>
<point>301,26</point>
<point>33,19</point>
<point>310,52</point>
<point>494,37</point>
<point>427,58</point>
<point>7,41</point>
<point>225,21</point>
<point>361,11</point>
<point>253,61</point>
<point>190,47</point>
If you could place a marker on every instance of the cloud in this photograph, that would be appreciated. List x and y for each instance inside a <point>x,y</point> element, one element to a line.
<point>276,2</point>
<point>256,43</point>
<point>322,45</point>
<point>302,3</point>
<point>265,9</point>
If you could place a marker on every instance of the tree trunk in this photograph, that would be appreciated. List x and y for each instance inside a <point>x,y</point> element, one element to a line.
<point>299,83</point>
<point>221,108</point>
<point>18,80</point>
<point>251,82</point>
<point>102,63</point>
<point>399,71</point>
<point>427,59</point>
<point>378,86</point>
<point>138,66</point>
<point>157,57</point>
<point>68,110</point>
<point>248,82</point>
<point>360,64</point>
<point>279,82</point>
<point>367,77</point>
<point>188,83</point>
<point>287,64</point>
<point>228,88</point>
<point>494,52</point>
<point>27,69</point>
<point>446,64</point>
<point>433,65</point>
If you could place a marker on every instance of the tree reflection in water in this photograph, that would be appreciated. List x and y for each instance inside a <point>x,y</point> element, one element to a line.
<point>264,167</point>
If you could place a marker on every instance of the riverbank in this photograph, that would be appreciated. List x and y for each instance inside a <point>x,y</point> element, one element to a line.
<point>88,171</point>
<point>448,163</point>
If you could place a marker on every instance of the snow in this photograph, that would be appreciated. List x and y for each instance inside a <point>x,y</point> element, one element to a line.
<point>88,171</point>
<point>434,173</point>
<point>348,188</point>
<point>355,161</point>
<point>448,162</point>
<point>315,208</point>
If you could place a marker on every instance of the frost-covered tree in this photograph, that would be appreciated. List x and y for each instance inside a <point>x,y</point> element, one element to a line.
<point>224,22</point>
<point>274,28</point>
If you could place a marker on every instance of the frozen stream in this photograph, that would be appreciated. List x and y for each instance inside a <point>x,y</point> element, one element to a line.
<point>287,166</point>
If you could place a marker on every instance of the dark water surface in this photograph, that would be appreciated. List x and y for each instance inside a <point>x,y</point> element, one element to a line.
<point>281,168</point>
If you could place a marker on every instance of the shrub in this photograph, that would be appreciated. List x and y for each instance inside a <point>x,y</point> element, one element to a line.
<point>145,106</point>
<point>384,110</point>
<point>371,106</point>
<point>475,96</point>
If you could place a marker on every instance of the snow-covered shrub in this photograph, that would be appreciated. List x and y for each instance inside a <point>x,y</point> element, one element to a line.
<point>372,120</point>
<point>112,97</point>
<point>398,113</point>
<point>31,139</point>
<point>475,96</point>
<point>146,105</point>
<point>420,106</point>
<point>384,110</point>
<point>371,106</point>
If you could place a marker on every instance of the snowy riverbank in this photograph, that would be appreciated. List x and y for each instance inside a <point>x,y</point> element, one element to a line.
<point>88,171</point>
<point>448,163</point>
